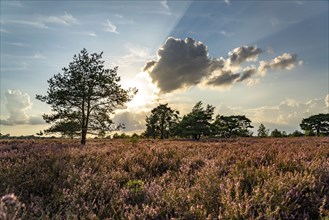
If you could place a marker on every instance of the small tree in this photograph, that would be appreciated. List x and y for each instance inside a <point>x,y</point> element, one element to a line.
<point>318,124</point>
<point>262,131</point>
<point>161,122</point>
<point>197,123</point>
<point>85,95</point>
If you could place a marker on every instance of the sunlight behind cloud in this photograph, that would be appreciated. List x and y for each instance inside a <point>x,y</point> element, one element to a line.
<point>147,92</point>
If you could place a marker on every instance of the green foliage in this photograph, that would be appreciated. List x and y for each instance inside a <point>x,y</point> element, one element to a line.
<point>197,123</point>
<point>135,190</point>
<point>84,96</point>
<point>68,128</point>
<point>134,139</point>
<point>120,136</point>
<point>262,131</point>
<point>296,134</point>
<point>162,122</point>
<point>316,124</point>
<point>232,126</point>
<point>276,133</point>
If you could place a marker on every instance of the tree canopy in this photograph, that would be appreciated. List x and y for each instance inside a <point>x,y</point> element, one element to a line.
<point>162,122</point>
<point>276,133</point>
<point>233,126</point>
<point>318,124</point>
<point>198,122</point>
<point>84,95</point>
<point>262,131</point>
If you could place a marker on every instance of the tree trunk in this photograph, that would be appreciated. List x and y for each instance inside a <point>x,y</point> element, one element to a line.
<point>83,136</point>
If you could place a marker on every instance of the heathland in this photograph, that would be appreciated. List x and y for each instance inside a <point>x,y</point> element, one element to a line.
<point>243,178</point>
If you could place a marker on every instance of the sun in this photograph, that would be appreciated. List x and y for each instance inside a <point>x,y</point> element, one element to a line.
<point>146,95</point>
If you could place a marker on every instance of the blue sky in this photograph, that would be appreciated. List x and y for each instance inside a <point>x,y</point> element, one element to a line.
<point>267,60</point>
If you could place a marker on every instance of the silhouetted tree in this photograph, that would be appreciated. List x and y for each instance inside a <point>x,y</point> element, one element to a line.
<point>318,124</point>
<point>85,94</point>
<point>233,126</point>
<point>67,128</point>
<point>161,122</point>
<point>296,134</point>
<point>198,122</point>
<point>276,133</point>
<point>262,131</point>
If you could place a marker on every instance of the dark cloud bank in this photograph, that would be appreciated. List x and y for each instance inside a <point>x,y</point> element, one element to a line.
<point>185,63</point>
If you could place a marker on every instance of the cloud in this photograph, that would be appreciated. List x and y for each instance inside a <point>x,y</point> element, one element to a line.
<point>66,19</point>
<point>247,73</point>
<point>244,53</point>
<point>180,64</point>
<point>165,4</point>
<point>327,100</point>
<point>92,34</point>
<point>285,115</point>
<point>43,21</point>
<point>226,34</point>
<point>285,61</point>
<point>227,2</point>
<point>225,79</point>
<point>132,121</point>
<point>34,23</point>
<point>183,63</point>
<point>135,54</point>
<point>109,27</point>
<point>17,103</point>
<point>17,44</point>
<point>38,56</point>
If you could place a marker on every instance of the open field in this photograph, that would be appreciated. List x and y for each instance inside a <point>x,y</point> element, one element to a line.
<point>249,178</point>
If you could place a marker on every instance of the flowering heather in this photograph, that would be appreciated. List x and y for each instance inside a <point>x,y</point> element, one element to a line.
<point>250,178</point>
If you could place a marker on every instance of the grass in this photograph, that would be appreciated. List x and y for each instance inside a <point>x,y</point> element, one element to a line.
<point>251,178</point>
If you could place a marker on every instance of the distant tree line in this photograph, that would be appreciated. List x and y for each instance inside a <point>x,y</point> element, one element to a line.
<point>165,122</point>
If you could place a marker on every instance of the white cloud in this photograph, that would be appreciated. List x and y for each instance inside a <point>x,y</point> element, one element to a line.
<point>38,56</point>
<point>227,2</point>
<point>135,54</point>
<point>165,4</point>
<point>133,121</point>
<point>17,103</point>
<point>285,61</point>
<point>42,21</point>
<point>34,23</point>
<point>110,27</point>
<point>66,19</point>
<point>286,115</point>
<point>92,34</point>
<point>327,101</point>
<point>17,44</point>
<point>226,34</point>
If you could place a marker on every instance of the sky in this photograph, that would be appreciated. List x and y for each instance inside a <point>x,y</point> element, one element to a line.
<point>267,60</point>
